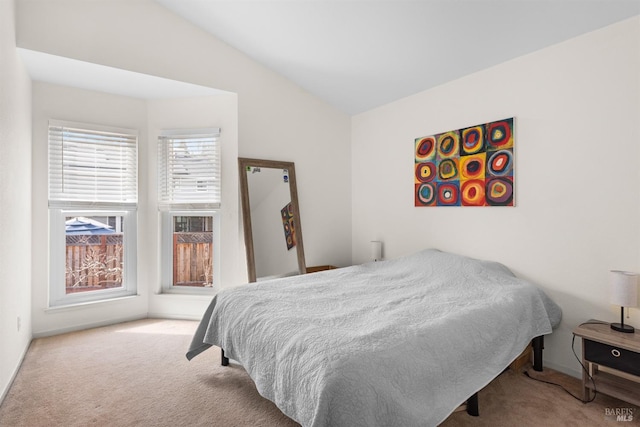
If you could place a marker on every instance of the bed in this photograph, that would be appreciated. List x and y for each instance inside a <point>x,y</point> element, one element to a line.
<point>397,342</point>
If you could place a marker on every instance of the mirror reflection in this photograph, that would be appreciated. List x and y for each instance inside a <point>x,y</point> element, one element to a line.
<point>273,236</point>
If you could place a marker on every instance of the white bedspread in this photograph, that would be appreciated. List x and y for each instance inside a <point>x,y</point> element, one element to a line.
<point>394,343</point>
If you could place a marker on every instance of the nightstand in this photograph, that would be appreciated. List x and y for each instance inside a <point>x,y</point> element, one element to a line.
<point>320,268</point>
<point>612,359</point>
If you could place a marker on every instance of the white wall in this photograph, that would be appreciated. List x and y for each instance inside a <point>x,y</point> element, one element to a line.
<point>15,202</point>
<point>277,120</point>
<point>577,109</point>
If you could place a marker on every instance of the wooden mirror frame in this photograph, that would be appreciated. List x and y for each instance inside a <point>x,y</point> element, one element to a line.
<point>243,163</point>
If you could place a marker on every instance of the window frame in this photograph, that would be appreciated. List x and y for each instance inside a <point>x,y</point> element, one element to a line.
<point>166,252</point>
<point>169,207</point>
<point>57,255</point>
<point>64,204</point>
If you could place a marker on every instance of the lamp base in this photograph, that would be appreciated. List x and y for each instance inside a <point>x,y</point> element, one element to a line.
<point>621,327</point>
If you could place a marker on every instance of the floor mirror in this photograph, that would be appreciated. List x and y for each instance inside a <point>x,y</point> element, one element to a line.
<point>271,219</point>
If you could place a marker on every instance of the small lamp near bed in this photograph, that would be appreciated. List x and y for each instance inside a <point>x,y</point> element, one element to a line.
<point>376,250</point>
<point>624,292</point>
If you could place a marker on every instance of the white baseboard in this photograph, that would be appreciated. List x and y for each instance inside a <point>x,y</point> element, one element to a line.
<point>84,326</point>
<point>7,387</point>
<point>197,317</point>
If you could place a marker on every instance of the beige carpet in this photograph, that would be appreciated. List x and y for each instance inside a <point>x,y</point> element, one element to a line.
<point>135,374</point>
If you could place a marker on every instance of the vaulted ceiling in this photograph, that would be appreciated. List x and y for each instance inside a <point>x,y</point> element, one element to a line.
<point>360,54</point>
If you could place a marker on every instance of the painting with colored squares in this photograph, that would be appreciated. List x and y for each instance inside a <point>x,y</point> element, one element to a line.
<point>466,167</point>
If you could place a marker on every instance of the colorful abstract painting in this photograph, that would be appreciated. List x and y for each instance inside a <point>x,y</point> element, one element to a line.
<point>287,223</point>
<point>466,167</point>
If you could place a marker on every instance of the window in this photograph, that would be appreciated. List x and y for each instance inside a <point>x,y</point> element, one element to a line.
<point>92,212</point>
<point>189,202</point>
<point>93,253</point>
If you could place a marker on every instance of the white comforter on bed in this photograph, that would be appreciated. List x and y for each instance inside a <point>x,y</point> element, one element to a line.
<point>394,343</point>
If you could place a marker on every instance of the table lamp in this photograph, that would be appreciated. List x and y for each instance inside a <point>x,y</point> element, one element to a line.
<point>624,292</point>
<point>376,250</point>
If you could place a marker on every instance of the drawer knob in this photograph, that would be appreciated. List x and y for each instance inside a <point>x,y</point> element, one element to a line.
<point>615,352</point>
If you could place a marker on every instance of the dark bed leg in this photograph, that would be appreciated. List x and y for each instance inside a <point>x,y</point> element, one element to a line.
<point>538,345</point>
<point>224,361</point>
<point>472,405</point>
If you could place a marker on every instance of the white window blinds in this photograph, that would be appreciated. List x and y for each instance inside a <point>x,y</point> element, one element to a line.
<point>91,164</point>
<point>189,169</point>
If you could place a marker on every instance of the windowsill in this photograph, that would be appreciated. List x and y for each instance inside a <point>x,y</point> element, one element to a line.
<point>208,294</point>
<point>77,305</point>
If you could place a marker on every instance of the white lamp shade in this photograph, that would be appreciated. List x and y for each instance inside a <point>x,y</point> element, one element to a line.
<point>376,250</point>
<point>624,288</point>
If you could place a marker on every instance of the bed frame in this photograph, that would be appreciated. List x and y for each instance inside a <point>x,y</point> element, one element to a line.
<point>471,405</point>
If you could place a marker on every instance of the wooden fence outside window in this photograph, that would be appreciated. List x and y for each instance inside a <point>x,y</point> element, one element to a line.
<point>95,262</point>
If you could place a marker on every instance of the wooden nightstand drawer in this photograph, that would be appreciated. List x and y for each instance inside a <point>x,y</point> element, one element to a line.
<point>613,357</point>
